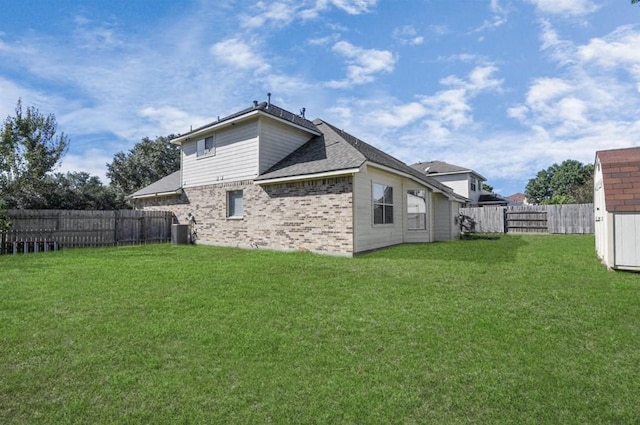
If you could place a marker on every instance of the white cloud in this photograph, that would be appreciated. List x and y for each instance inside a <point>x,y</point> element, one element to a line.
<point>408,35</point>
<point>563,51</point>
<point>401,115</point>
<point>352,7</point>
<point>363,64</point>
<point>239,54</point>
<point>167,119</point>
<point>565,7</point>
<point>97,36</point>
<point>276,13</point>
<point>92,161</point>
<point>618,49</point>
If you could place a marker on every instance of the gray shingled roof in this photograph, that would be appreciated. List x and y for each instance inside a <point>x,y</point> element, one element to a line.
<point>166,185</point>
<point>338,150</point>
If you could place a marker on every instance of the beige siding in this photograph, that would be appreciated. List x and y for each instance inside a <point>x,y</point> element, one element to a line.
<point>369,236</point>
<point>627,240</point>
<point>236,157</point>
<point>277,140</point>
<point>416,236</point>
<point>443,209</point>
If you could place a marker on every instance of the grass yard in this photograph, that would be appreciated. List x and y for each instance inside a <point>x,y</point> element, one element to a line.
<point>522,329</point>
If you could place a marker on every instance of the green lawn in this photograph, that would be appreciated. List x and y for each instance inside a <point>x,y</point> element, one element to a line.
<point>517,330</point>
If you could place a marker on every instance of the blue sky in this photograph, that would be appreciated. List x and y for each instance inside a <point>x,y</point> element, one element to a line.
<point>505,87</point>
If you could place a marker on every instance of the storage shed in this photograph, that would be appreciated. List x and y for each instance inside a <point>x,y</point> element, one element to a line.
<point>617,207</point>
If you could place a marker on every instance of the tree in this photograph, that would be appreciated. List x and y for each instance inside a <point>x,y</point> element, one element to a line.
<point>29,149</point>
<point>634,1</point>
<point>487,187</point>
<point>147,162</point>
<point>79,191</point>
<point>569,182</point>
<point>5,224</point>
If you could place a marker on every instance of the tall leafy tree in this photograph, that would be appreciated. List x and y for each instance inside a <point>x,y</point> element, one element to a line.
<point>567,183</point>
<point>80,191</point>
<point>148,161</point>
<point>29,150</point>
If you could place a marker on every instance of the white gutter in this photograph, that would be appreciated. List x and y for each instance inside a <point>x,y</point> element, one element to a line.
<point>308,176</point>
<point>156,195</point>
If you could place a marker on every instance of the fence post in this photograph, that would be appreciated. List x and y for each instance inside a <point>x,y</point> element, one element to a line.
<point>504,220</point>
<point>116,218</point>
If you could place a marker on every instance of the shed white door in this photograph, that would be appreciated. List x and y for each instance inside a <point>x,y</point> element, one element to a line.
<point>627,240</point>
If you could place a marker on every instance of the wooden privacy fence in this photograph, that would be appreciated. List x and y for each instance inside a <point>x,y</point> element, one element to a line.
<point>44,230</point>
<point>572,218</point>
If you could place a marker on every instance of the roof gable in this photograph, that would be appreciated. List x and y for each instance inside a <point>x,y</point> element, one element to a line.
<point>621,179</point>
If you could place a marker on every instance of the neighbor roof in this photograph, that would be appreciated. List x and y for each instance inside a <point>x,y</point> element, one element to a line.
<point>621,179</point>
<point>441,167</point>
<point>169,185</point>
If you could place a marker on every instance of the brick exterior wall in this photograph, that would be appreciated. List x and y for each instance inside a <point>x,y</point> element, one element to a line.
<point>315,215</point>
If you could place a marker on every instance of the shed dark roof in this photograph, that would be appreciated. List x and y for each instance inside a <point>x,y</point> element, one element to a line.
<point>621,179</point>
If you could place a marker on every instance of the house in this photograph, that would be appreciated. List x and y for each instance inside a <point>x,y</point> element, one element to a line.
<point>464,182</point>
<point>517,199</point>
<point>267,178</point>
<point>616,201</point>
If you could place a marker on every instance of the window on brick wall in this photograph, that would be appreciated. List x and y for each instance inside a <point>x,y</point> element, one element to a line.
<point>235,208</point>
<point>382,204</point>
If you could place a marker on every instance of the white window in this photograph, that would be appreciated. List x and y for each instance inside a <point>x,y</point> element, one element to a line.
<point>382,204</point>
<point>474,184</point>
<point>234,204</point>
<point>416,210</point>
<point>206,146</point>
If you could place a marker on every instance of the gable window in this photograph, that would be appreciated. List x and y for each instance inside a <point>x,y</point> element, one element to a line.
<point>235,208</point>
<point>382,204</point>
<point>416,210</point>
<point>474,184</point>
<point>206,146</point>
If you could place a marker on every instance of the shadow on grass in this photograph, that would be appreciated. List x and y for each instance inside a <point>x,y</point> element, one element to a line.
<point>478,248</point>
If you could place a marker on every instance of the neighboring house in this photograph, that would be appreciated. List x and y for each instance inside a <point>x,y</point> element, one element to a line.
<point>464,181</point>
<point>264,177</point>
<point>616,201</point>
<point>517,199</point>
